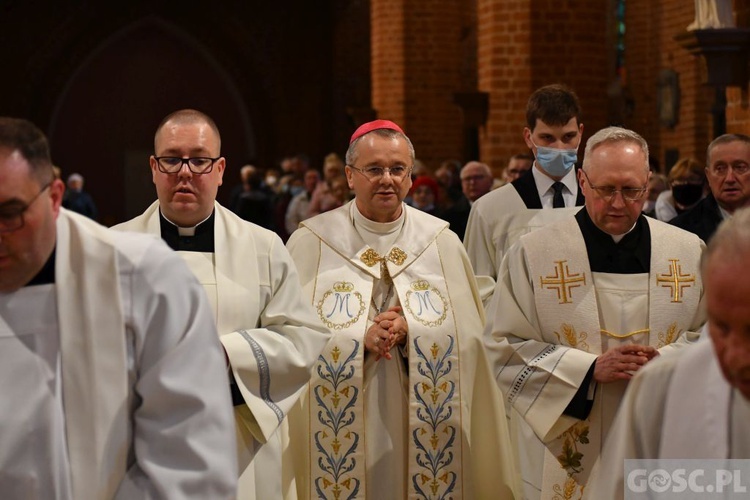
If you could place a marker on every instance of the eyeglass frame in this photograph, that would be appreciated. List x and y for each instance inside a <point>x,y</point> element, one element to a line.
<point>609,198</point>
<point>21,212</point>
<point>186,161</point>
<point>407,173</point>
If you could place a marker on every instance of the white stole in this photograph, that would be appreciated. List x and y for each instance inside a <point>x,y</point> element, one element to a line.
<point>94,356</point>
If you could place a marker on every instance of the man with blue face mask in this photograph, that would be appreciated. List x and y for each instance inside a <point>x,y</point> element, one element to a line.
<point>553,133</point>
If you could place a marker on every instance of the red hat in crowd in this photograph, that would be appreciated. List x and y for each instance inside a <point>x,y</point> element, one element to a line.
<point>426,180</point>
<point>374,125</point>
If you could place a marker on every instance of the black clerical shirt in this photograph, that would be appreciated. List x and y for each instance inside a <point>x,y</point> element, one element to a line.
<point>201,241</point>
<point>46,275</point>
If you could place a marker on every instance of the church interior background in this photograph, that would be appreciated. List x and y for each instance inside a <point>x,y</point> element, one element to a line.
<point>288,77</point>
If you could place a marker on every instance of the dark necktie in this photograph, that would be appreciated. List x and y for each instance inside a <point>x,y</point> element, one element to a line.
<point>557,199</point>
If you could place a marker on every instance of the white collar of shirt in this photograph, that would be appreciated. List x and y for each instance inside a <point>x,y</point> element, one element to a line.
<point>186,231</point>
<point>544,187</point>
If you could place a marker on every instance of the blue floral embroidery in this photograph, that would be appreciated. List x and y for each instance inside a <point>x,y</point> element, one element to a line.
<point>336,399</point>
<point>434,396</point>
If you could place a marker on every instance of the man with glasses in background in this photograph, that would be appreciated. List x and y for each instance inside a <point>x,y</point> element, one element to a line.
<point>582,304</point>
<point>270,334</point>
<point>112,373</point>
<point>728,174</point>
<point>402,396</point>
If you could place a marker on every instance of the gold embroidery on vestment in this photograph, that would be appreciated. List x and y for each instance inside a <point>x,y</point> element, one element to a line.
<point>563,281</point>
<point>666,338</point>
<point>675,280</point>
<point>624,335</point>
<point>429,312</point>
<point>572,338</point>
<point>370,257</point>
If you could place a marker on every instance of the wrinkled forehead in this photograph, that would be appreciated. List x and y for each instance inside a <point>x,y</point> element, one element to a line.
<point>738,150</point>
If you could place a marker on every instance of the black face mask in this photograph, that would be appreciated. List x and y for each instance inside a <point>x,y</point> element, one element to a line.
<point>687,194</point>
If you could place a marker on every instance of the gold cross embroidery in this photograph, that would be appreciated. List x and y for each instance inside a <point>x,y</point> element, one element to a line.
<point>563,281</point>
<point>675,280</point>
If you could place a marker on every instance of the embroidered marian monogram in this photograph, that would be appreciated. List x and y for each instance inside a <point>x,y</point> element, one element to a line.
<point>341,306</point>
<point>563,281</point>
<point>370,257</point>
<point>431,308</point>
<point>675,280</point>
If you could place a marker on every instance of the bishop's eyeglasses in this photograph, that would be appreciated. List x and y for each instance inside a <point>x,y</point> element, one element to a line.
<point>374,173</point>
<point>11,219</point>
<point>197,164</point>
<point>608,192</point>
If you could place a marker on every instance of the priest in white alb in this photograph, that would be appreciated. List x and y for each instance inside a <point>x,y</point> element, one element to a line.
<point>270,334</point>
<point>582,304</point>
<point>695,405</point>
<point>402,403</point>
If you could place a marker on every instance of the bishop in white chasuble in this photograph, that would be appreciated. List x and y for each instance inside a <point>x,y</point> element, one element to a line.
<point>427,423</point>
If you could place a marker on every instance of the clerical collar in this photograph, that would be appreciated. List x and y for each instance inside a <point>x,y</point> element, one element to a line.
<point>377,227</point>
<point>199,238</point>
<point>631,255</point>
<point>46,275</point>
<point>381,236</point>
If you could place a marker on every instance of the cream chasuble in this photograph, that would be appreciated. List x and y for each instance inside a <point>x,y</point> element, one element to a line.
<point>552,317</point>
<point>402,427</point>
<point>269,334</point>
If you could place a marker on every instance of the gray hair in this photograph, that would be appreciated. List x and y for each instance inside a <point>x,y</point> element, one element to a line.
<point>352,154</point>
<point>725,139</point>
<point>615,134</point>
<point>732,239</point>
<point>482,166</point>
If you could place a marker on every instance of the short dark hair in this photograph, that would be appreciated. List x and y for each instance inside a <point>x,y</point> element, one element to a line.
<point>554,104</point>
<point>18,134</point>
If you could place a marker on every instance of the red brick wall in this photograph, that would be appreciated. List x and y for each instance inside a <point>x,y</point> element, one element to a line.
<point>738,110</point>
<point>416,63</point>
<point>524,45</point>
<point>651,47</point>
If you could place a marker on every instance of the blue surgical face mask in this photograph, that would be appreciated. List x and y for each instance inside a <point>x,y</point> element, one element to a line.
<point>295,190</point>
<point>556,162</point>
